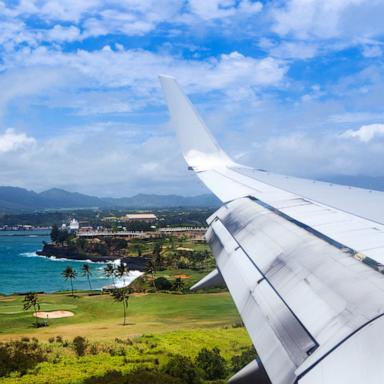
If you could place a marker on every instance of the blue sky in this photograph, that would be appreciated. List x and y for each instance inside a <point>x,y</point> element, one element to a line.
<point>293,86</point>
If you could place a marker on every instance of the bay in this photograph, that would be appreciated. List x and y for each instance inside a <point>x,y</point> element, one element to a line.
<point>21,270</point>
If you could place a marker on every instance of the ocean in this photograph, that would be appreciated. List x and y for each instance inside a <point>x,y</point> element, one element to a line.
<point>21,270</point>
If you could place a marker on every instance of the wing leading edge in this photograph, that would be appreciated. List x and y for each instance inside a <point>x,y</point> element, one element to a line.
<point>303,261</point>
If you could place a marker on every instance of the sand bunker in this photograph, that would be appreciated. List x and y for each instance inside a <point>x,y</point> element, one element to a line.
<point>53,314</point>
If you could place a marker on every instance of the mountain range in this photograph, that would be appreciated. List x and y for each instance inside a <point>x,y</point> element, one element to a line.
<point>15,199</point>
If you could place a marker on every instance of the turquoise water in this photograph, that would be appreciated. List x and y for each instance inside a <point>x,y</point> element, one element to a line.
<point>22,271</point>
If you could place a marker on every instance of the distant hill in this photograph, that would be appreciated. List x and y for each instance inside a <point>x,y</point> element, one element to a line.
<point>14,199</point>
<point>20,199</point>
<point>59,198</point>
<point>163,201</point>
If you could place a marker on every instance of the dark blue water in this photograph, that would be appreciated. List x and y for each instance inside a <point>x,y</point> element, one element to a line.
<point>22,271</point>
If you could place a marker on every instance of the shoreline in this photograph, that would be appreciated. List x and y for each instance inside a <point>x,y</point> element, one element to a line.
<point>137,263</point>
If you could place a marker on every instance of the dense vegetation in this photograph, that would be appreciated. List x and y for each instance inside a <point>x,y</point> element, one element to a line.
<point>164,253</point>
<point>125,359</point>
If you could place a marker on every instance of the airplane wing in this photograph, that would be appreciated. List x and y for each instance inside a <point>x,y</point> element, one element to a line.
<point>302,259</point>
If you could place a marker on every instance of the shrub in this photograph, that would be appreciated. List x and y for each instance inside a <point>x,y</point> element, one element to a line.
<point>80,345</point>
<point>140,376</point>
<point>59,339</point>
<point>240,361</point>
<point>138,285</point>
<point>163,284</point>
<point>51,340</point>
<point>19,356</point>
<point>211,363</point>
<point>183,368</point>
<point>93,350</point>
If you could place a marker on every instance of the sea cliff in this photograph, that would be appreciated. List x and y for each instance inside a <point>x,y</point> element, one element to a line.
<point>74,253</point>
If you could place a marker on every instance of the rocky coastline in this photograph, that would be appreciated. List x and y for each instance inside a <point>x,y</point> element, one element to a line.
<point>137,263</point>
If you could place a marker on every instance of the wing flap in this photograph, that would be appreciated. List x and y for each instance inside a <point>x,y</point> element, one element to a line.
<point>291,283</point>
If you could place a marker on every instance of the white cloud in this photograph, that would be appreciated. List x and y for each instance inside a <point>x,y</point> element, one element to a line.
<point>138,70</point>
<point>218,9</point>
<point>305,18</point>
<point>354,117</point>
<point>372,51</point>
<point>106,160</point>
<point>12,141</point>
<point>59,33</point>
<point>28,82</point>
<point>290,49</point>
<point>64,10</point>
<point>366,133</point>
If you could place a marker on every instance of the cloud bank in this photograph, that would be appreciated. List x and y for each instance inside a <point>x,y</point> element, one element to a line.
<point>295,87</point>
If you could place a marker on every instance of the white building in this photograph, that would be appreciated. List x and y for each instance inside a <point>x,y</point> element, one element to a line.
<point>74,225</point>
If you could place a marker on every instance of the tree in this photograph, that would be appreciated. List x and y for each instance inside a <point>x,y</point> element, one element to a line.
<point>87,272</point>
<point>150,268</point>
<point>31,300</point>
<point>80,345</point>
<point>63,236</point>
<point>109,271</point>
<point>121,271</point>
<point>54,233</point>
<point>240,361</point>
<point>211,363</point>
<point>183,368</point>
<point>157,254</point>
<point>163,284</point>
<point>121,295</point>
<point>69,273</point>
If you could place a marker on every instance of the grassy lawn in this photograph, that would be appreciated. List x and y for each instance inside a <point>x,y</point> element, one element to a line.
<point>98,317</point>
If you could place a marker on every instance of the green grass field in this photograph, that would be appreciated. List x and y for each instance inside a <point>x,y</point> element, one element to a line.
<point>99,317</point>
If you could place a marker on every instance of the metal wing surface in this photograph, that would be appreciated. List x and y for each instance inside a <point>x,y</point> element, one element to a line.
<point>302,259</point>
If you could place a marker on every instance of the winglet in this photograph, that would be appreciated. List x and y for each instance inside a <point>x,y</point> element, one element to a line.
<point>200,149</point>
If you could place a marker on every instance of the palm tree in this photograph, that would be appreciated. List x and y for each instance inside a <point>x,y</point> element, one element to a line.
<point>69,273</point>
<point>121,270</point>
<point>121,295</point>
<point>157,254</point>
<point>109,271</point>
<point>87,272</point>
<point>31,300</point>
<point>150,268</point>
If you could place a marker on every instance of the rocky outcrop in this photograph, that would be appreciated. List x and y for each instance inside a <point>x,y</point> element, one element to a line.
<point>137,263</point>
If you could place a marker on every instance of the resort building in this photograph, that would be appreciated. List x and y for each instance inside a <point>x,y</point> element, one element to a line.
<point>143,217</point>
<point>133,217</point>
<point>74,225</point>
